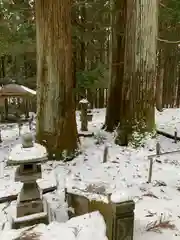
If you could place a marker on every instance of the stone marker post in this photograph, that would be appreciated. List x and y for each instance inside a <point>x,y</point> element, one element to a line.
<point>30,207</point>
<point>84,118</point>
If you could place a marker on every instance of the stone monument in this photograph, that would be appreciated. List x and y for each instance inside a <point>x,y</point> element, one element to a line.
<point>30,207</point>
<point>118,212</point>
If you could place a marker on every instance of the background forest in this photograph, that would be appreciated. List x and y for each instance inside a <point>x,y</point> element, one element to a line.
<point>91,29</point>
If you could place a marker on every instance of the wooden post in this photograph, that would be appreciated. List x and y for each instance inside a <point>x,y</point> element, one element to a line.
<point>30,120</point>
<point>150,170</point>
<point>105,156</point>
<point>175,136</point>
<point>0,137</point>
<point>19,126</point>
<point>84,119</point>
<point>158,149</point>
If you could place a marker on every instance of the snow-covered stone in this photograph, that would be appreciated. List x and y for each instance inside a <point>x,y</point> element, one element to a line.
<point>120,196</point>
<point>19,154</point>
<point>86,227</point>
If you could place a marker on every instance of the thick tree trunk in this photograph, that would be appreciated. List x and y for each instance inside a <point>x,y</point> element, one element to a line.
<point>56,121</point>
<point>159,81</point>
<point>116,65</point>
<point>137,112</point>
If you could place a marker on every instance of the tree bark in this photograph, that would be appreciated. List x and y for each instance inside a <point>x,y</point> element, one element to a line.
<point>159,81</point>
<point>116,65</point>
<point>137,111</point>
<point>56,121</point>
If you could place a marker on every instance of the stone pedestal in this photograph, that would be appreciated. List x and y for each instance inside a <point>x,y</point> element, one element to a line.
<point>30,207</point>
<point>119,217</point>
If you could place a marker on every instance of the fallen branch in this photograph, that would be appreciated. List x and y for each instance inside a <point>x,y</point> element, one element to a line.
<point>157,225</point>
<point>13,197</point>
<point>27,235</point>
<point>150,195</point>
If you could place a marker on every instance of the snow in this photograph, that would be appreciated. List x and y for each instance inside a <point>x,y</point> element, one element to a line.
<point>93,190</point>
<point>124,175</point>
<point>84,100</point>
<point>87,227</point>
<point>30,217</point>
<point>28,90</point>
<point>118,197</point>
<point>169,120</point>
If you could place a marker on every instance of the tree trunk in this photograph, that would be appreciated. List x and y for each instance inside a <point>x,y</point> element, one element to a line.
<point>178,91</point>
<point>116,65</point>
<point>159,81</point>
<point>83,44</point>
<point>56,121</point>
<point>137,111</point>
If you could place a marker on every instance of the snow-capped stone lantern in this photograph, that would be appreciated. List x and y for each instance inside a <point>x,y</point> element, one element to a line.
<point>86,114</point>
<point>30,208</point>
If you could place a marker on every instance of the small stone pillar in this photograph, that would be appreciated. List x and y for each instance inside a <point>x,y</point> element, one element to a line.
<point>84,118</point>
<point>123,220</point>
<point>30,208</point>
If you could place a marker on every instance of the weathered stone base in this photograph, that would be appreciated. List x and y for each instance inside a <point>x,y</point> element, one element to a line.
<point>30,214</point>
<point>30,220</point>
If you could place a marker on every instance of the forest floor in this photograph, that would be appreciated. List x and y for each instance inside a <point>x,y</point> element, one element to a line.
<point>157,209</point>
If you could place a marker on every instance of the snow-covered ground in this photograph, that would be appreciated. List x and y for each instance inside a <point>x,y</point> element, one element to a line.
<point>125,171</point>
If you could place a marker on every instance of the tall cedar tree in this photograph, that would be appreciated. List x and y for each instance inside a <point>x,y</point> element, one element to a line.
<point>117,46</point>
<point>138,98</point>
<point>56,121</point>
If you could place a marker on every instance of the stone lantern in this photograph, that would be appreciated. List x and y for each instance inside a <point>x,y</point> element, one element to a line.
<point>30,208</point>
